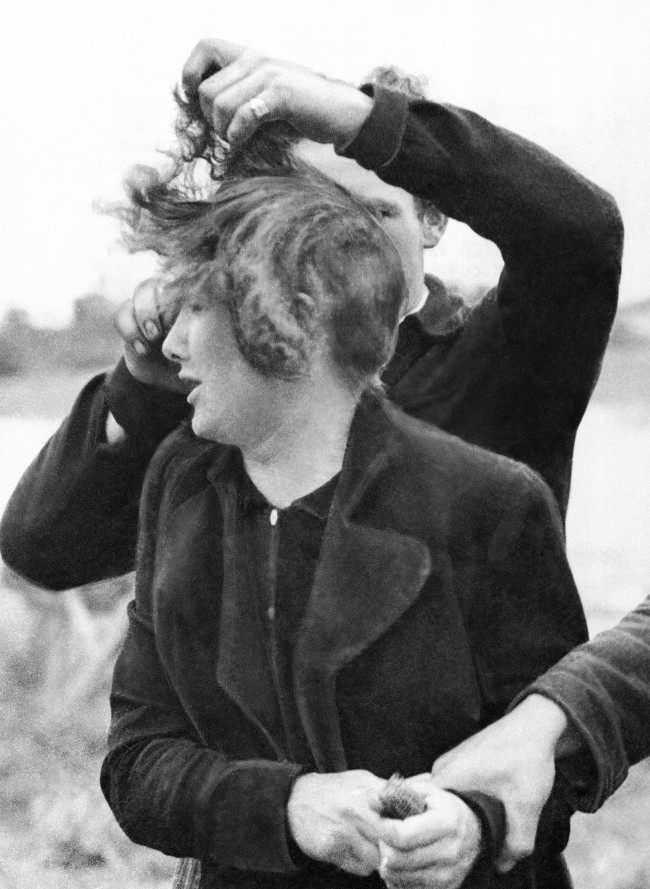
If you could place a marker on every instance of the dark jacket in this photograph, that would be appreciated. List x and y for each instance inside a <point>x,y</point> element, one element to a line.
<point>442,589</point>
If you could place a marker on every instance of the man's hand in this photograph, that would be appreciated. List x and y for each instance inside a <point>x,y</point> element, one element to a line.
<point>334,818</point>
<point>240,89</point>
<point>436,849</point>
<point>514,760</point>
<point>143,322</point>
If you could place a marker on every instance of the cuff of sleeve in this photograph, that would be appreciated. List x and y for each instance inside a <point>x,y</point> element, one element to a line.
<point>491,814</point>
<point>256,802</point>
<point>146,413</point>
<point>599,736</point>
<point>380,138</point>
<point>298,857</point>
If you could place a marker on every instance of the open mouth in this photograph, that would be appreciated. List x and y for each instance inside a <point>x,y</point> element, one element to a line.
<point>191,383</point>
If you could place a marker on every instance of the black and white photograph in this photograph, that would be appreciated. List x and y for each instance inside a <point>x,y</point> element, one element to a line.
<point>325,445</point>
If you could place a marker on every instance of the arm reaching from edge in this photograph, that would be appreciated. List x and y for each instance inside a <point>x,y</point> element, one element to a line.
<point>595,701</point>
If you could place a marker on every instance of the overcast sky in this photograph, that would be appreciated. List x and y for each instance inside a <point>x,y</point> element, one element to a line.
<point>86,92</point>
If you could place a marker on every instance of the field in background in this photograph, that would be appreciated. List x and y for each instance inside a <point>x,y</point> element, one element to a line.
<point>55,829</point>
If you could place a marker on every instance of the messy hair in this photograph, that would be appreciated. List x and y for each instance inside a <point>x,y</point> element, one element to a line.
<point>268,152</point>
<point>270,149</point>
<point>299,264</point>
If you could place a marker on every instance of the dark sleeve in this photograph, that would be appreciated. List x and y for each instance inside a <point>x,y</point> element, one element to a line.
<point>559,234</point>
<point>72,519</point>
<point>530,616</point>
<point>167,789</point>
<point>604,688</point>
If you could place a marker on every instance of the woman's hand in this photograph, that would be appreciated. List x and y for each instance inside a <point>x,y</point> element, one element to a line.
<point>143,322</point>
<point>334,818</point>
<point>435,850</point>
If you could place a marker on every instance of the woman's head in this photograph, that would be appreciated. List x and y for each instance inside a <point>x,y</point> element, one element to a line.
<point>302,269</point>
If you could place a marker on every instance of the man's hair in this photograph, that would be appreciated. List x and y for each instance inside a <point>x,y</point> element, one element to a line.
<point>299,263</point>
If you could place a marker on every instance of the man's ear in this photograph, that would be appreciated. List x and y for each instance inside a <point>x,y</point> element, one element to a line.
<point>433,225</point>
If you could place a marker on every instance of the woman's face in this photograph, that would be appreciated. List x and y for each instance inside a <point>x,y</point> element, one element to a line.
<point>233,403</point>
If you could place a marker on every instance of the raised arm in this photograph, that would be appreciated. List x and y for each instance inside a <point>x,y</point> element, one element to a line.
<point>560,235</point>
<point>72,518</point>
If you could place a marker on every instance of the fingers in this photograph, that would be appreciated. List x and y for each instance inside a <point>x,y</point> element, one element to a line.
<point>361,858</point>
<point>427,878</point>
<point>208,56</point>
<point>146,311</point>
<point>437,848</point>
<point>138,320</point>
<point>128,328</point>
<point>236,111</point>
<point>418,830</point>
<point>440,852</point>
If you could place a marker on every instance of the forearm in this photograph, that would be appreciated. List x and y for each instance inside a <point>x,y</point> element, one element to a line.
<point>560,235</point>
<point>603,687</point>
<point>72,518</point>
<point>189,801</point>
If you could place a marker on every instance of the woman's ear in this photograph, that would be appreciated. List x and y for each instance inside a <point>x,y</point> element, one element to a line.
<point>433,225</point>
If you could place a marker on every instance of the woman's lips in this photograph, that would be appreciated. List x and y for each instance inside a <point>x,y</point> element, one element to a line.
<point>192,394</point>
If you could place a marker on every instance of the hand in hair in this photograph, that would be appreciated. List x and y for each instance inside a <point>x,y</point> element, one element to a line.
<point>143,322</point>
<point>239,90</point>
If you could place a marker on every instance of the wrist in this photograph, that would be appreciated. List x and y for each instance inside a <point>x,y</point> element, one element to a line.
<point>378,141</point>
<point>542,718</point>
<point>357,112</point>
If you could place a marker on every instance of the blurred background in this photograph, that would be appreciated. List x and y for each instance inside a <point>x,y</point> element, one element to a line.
<point>86,92</point>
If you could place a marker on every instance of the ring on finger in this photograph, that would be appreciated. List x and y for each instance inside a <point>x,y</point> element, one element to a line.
<point>259,108</point>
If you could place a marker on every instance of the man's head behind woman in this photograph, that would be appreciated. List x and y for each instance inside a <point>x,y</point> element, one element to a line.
<point>302,268</point>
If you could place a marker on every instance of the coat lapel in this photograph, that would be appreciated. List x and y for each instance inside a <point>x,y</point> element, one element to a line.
<point>366,579</point>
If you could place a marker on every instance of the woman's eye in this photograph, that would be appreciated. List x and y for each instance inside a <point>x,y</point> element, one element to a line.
<point>196,307</point>
<point>384,211</point>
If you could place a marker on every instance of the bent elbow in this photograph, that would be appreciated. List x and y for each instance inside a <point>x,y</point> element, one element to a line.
<point>23,554</point>
<point>604,232</point>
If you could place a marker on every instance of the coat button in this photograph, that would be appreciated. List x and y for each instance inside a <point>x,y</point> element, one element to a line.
<point>270,612</point>
<point>273,517</point>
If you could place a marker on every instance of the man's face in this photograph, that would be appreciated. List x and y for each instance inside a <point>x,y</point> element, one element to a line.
<point>233,403</point>
<point>394,207</point>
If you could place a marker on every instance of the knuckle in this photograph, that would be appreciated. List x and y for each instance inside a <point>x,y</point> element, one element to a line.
<point>204,90</point>
<point>204,46</point>
<point>519,848</point>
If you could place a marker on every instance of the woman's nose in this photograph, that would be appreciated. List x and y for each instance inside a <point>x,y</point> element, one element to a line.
<point>174,346</point>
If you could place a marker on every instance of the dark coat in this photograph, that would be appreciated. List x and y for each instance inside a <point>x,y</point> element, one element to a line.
<point>442,589</point>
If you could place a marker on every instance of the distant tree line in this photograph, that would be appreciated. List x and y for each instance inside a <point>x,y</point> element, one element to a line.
<point>88,342</point>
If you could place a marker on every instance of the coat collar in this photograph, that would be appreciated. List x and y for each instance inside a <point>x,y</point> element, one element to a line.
<point>366,578</point>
